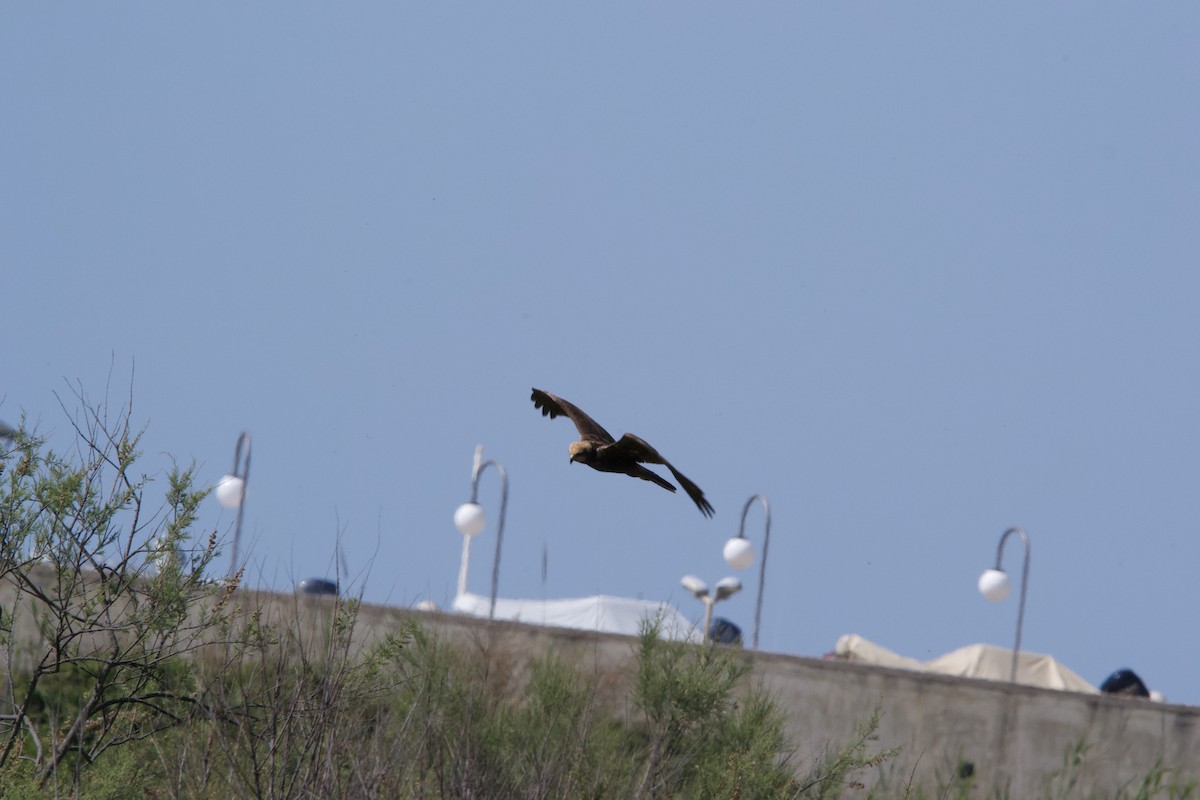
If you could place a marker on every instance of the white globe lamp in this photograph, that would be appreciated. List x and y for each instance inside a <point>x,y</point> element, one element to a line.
<point>739,553</point>
<point>469,519</point>
<point>994,585</point>
<point>231,491</point>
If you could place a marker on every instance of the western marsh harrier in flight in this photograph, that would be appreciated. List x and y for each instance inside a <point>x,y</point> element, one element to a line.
<point>597,448</point>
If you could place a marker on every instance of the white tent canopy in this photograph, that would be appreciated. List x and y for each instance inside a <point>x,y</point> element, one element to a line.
<point>984,661</point>
<point>598,613</point>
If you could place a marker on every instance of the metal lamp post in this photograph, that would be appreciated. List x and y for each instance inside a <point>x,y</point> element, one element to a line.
<point>231,492</point>
<point>739,554</point>
<point>726,587</point>
<point>470,521</point>
<point>994,585</point>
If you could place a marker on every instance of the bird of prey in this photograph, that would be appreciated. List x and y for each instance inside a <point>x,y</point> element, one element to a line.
<point>597,448</point>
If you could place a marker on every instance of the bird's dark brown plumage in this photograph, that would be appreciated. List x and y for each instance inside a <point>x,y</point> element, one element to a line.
<point>597,448</point>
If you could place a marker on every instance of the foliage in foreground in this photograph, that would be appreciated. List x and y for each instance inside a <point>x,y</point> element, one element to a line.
<point>129,674</point>
<point>415,716</point>
<point>99,590</point>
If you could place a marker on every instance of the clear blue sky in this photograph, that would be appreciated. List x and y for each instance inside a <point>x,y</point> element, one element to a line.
<point>916,272</point>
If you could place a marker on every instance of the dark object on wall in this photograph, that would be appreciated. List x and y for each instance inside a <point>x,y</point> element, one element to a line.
<point>317,586</point>
<point>722,631</point>
<point>1124,681</point>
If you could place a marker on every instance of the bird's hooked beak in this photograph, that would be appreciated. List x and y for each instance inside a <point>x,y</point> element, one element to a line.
<point>571,460</point>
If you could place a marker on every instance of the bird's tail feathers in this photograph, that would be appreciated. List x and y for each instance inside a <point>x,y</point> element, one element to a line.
<point>654,477</point>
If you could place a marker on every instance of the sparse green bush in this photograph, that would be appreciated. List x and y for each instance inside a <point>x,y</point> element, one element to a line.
<point>103,595</point>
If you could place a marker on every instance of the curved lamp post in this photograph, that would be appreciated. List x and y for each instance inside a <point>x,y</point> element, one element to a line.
<point>994,585</point>
<point>726,587</point>
<point>470,521</point>
<point>739,554</point>
<point>231,492</point>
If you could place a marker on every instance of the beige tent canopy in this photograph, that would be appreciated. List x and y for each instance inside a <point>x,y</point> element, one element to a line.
<point>984,661</point>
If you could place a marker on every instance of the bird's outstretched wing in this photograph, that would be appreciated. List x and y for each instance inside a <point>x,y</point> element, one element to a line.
<point>639,450</point>
<point>554,407</point>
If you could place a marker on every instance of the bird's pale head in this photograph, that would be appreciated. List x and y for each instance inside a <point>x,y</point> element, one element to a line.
<point>581,451</point>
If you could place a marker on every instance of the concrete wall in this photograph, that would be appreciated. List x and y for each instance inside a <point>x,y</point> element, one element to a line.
<point>1015,737</point>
